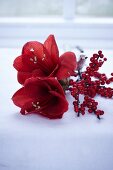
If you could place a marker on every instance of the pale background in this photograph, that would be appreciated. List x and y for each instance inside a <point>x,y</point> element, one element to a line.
<point>34,142</point>
<point>103,8</point>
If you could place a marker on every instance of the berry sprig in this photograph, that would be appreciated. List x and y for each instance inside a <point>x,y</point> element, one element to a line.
<point>90,83</point>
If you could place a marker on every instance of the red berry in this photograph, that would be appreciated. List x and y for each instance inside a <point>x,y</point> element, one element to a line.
<point>105,59</point>
<point>108,81</point>
<point>111,79</point>
<point>71,82</point>
<point>99,52</point>
<point>101,55</point>
<point>95,55</point>
<point>90,110</point>
<point>103,82</point>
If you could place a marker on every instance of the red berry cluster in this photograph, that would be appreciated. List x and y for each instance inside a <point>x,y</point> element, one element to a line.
<point>90,83</point>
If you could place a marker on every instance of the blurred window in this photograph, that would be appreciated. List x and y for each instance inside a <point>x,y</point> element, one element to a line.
<point>51,8</point>
<point>85,22</point>
<point>94,8</point>
<point>30,8</point>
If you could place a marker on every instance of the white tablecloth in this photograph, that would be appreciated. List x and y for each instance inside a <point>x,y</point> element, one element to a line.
<point>36,143</point>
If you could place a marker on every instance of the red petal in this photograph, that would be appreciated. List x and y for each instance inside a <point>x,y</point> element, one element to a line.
<point>37,88</point>
<point>51,46</point>
<point>35,47</point>
<point>38,73</point>
<point>22,76</point>
<point>21,97</point>
<point>40,87</point>
<point>29,60</point>
<point>62,73</point>
<point>54,103</point>
<point>23,100</point>
<point>59,103</point>
<point>68,65</point>
<point>54,106</point>
<point>47,92</point>
<point>39,53</point>
<point>28,108</point>
<point>19,65</point>
<point>54,84</point>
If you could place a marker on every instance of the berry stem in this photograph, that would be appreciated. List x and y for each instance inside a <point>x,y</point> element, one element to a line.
<point>98,117</point>
<point>79,49</point>
<point>79,74</point>
<point>89,87</point>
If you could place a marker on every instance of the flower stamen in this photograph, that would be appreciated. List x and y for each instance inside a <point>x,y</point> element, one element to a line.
<point>34,60</point>
<point>36,106</point>
<point>31,59</point>
<point>43,57</point>
<point>31,49</point>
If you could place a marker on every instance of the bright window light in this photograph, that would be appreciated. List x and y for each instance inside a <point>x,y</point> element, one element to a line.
<point>94,8</point>
<point>51,8</point>
<point>30,8</point>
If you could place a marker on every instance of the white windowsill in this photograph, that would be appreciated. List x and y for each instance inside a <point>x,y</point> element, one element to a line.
<point>47,20</point>
<point>87,32</point>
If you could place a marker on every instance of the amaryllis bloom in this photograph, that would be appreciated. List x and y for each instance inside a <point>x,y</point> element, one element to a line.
<point>42,60</point>
<point>41,96</point>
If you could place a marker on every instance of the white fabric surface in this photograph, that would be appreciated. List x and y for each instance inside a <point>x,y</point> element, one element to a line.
<point>36,143</point>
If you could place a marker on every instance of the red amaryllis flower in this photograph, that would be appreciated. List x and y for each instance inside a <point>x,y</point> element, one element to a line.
<point>42,60</point>
<point>41,96</point>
